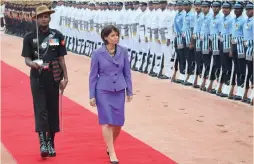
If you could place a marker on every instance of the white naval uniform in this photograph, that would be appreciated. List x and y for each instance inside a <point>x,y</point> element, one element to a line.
<point>120,25</point>
<point>168,71</point>
<point>82,32</point>
<point>64,23</point>
<point>126,29</point>
<point>164,55</point>
<point>143,45</point>
<point>153,44</point>
<point>72,29</point>
<point>69,18</point>
<point>135,36</point>
<point>79,30</point>
<point>91,31</point>
<point>55,18</point>
<point>148,36</point>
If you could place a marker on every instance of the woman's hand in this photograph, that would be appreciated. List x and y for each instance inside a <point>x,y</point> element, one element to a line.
<point>129,98</point>
<point>93,102</point>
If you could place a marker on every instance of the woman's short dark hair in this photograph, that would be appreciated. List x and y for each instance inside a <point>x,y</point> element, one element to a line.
<point>107,30</point>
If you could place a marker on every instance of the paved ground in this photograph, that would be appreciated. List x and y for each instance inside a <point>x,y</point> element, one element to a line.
<point>189,126</point>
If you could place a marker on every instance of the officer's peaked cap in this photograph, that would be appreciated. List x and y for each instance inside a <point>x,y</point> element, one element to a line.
<point>238,5</point>
<point>216,4</point>
<point>205,4</point>
<point>197,2</point>
<point>179,3</point>
<point>187,2</point>
<point>226,4</point>
<point>249,6</point>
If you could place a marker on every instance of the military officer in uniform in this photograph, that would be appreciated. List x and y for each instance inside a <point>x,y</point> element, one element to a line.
<point>237,52</point>
<point>249,43</point>
<point>45,55</point>
<point>199,17</point>
<point>187,30</point>
<point>205,43</point>
<point>178,41</point>
<point>215,61</point>
<point>143,49</point>
<point>224,46</point>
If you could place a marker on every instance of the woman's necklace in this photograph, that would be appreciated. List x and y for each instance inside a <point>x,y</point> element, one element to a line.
<point>112,52</point>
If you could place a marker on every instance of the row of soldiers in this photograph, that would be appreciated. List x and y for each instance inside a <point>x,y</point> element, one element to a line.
<point>213,44</point>
<point>210,44</point>
<point>18,15</point>
<point>82,22</point>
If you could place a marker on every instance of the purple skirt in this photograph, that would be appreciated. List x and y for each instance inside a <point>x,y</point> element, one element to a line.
<point>110,107</point>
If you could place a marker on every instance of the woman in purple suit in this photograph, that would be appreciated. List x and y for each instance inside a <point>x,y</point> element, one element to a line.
<point>109,83</point>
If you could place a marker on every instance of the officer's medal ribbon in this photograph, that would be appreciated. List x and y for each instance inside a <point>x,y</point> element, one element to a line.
<point>225,25</point>
<point>236,26</point>
<point>248,26</point>
<point>54,42</point>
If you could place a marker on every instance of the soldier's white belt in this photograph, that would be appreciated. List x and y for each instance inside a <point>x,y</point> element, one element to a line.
<point>234,40</point>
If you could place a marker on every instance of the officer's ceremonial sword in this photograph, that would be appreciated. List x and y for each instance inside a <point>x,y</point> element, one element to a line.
<point>38,61</point>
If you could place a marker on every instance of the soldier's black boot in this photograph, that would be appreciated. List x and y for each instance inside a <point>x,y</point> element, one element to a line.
<point>51,144</point>
<point>43,144</point>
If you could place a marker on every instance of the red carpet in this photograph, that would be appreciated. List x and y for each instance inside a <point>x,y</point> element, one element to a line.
<point>79,143</point>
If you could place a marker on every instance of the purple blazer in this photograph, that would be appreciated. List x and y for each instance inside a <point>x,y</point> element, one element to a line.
<point>110,73</point>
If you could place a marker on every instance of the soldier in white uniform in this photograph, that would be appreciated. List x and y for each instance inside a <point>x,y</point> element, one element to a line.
<point>169,48</point>
<point>83,27</point>
<point>153,36</point>
<point>63,20</point>
<point>78,27</point>
<point>118,18</point>
<point>155,47</point>
<point>143,46</point>
<point>126,30</point>
<point>148,38</point>
<point>55,18</point>
<point>134,34</point>
<point>163,53</point>
<point>91,27</point>
<point>72,27</point>
<point>68,31</point>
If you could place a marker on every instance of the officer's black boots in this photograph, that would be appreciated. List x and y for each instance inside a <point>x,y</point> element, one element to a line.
<point>51,144</point>
<point>43,144</point>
